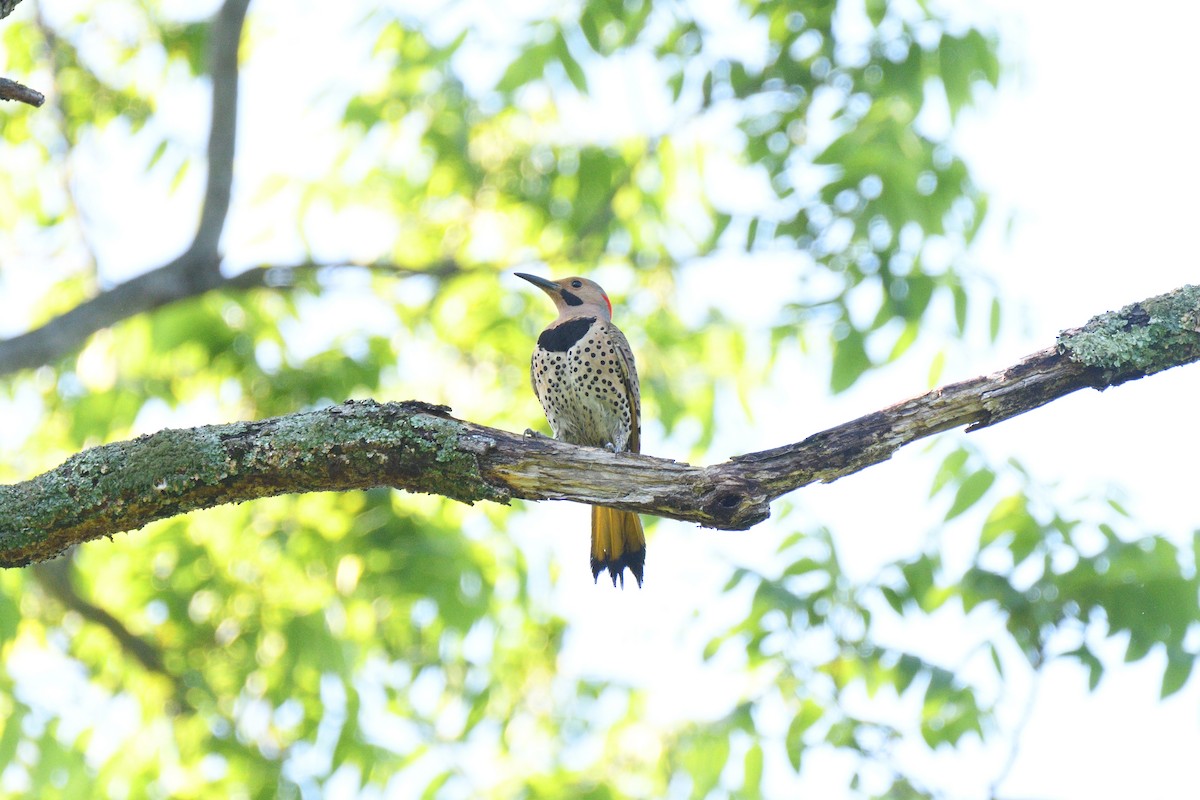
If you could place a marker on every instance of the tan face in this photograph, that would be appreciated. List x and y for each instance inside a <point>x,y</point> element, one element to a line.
<point>571,294</point>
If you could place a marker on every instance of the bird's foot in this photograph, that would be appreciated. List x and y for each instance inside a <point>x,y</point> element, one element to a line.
<point>610,447</point>
<point>530,433</point>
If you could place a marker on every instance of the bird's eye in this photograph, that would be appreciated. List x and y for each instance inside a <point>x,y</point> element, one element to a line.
<point>576,284</point>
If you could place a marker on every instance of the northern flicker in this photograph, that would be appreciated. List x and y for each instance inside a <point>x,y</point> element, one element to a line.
<point>584,376</point>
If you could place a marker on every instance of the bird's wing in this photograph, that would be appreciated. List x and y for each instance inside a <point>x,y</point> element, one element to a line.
<point>630,379</point>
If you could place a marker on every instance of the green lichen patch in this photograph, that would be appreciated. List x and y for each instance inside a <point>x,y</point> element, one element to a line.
<point>395,444</point>
<point>1142,338</point>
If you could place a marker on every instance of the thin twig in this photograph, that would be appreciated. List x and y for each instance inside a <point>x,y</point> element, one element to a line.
<point>55,50</point>
<point>1015,748</point>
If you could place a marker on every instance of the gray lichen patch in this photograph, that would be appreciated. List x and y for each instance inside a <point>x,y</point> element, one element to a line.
<point>1142,338</point>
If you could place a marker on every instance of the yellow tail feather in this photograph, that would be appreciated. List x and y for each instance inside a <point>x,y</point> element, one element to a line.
<point>617,542</point>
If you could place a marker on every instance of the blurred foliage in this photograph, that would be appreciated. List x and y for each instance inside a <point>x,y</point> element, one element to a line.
<point>327,645</point>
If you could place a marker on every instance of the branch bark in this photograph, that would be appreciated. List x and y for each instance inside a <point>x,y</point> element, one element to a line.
<point>11,90</point>
<point>421,448</point>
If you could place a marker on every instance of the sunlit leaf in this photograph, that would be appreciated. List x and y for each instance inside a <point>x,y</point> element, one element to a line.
<point>971,491</point>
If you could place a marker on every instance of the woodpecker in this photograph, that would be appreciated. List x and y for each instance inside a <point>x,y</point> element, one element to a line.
<point>583,373</point>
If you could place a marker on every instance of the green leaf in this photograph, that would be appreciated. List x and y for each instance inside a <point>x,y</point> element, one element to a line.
<point>711,647</point>
<point>937,366</point>
<point>752,771</point>
<point>850,361</point>
<point>907,670</point>
<point>893,598</point>
<point>956,60</point>
<point>918,574</point>
<point>1178,670</point>
<point>906,339</point>
<point>1138,647</point>
<point>876,11</point>
<point>11,737</point>
<point>961,304</point>
<point>1094,667</point>
<point>970,491</point>
<point>950,468</point>
<point>525,68</point>
<point>570,65</point>
<point>590,28</point>
<point>156,155</point>
<point>802,567</point>
<point>751,233</point>
<point>810,713</point>
<point>705,759</point>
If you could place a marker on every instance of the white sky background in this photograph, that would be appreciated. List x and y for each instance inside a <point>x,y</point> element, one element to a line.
<point>1095,151</point>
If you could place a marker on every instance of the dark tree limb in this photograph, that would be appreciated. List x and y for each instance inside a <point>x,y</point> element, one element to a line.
<point>420,448</point>
<point>11,90</point>
<point>197,269</point>
<point>226,38</point>
<point>55,577</point>
<point>177,281</point>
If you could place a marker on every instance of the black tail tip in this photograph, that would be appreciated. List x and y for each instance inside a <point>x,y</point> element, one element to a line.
<point>635,561</point>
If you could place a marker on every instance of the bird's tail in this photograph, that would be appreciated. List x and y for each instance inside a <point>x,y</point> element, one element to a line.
<point>618,541</point>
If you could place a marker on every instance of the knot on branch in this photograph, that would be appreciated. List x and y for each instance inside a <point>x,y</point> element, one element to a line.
<point>732,502</point>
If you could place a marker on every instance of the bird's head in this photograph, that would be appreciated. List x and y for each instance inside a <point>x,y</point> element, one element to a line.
<point>574,297</point>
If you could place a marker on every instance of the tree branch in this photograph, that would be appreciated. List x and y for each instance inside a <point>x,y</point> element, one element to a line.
<point>197,269</point>
<point>226,36</point>
<point>182,279</point>
<point>55,577</point>
<point>1112,348</point>
<point>420,448</point>
<point>11,90</point>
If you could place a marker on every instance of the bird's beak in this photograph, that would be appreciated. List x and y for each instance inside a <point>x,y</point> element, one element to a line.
<point>541,283</point>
